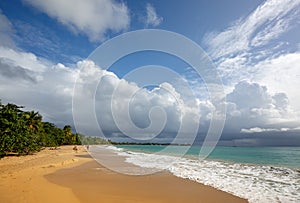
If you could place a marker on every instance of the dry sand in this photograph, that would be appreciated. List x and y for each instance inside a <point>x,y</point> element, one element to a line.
<point>66,176</point>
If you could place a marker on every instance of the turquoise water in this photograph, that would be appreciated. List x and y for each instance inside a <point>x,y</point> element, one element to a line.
<point>258,174</point>
<point>276,156</point>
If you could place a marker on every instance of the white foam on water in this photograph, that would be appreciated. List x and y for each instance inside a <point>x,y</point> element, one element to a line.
<point>111,147</point>
<point>256,183</point>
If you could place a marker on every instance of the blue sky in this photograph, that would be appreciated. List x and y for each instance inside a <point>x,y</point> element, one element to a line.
<point>254,46</point>
<point>58,44</point>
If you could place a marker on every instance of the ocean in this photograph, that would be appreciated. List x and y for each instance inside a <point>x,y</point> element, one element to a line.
<point>259,174</point>
<point>276,156</point>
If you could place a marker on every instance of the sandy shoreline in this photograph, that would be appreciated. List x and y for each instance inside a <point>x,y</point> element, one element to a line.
<point>66,176</point>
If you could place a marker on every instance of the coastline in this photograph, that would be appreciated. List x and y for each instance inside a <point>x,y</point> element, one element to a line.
<point>66,176</point>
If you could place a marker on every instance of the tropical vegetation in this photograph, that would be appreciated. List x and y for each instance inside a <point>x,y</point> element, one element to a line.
<point>24,132</point>
<point>87,140</point>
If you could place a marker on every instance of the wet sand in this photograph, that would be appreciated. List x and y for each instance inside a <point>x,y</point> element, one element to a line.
<point>66,176</point>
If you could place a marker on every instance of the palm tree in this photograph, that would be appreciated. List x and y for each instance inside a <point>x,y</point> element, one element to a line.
<point>68,134</point>
<point>15,135</point>
<point>67,130</point>
<point>34,120</point>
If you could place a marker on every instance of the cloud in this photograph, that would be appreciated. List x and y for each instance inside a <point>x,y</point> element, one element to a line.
<point>23,59</point>
<point>6,31</point>
<point>94,18</point>
<point>249,95</point>
<point>37,84</point>
<point>259,107</point>
<point>252,107</point>
<point>244,52</point>
<point>122,106</point>
<point>152,18</point>
<point>265,23</point>
<point>47,42</point>
<point>15,72</point>
<point>280,74</point>
<point>271,31</point>
<point>258,130</point>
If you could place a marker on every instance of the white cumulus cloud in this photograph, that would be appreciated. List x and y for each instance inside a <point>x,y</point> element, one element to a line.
<point>91,17</point>
<point>281,74</point>
<point>252,106</point>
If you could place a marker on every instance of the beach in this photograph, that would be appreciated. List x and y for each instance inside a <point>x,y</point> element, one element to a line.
<point>63,175</point>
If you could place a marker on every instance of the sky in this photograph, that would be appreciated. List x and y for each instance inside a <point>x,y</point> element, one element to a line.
<point>252,47</point>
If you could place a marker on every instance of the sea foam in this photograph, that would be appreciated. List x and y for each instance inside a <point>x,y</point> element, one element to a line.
<point>256,183</point>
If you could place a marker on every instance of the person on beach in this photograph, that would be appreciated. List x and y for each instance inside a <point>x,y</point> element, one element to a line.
<point>75,148</point>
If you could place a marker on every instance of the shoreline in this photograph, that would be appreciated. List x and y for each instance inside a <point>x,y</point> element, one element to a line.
<point>64,175</point>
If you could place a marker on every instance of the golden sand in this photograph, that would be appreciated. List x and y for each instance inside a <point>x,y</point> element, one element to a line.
<point>63,175</point>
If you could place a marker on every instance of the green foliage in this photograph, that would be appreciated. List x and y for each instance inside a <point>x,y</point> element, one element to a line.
<point>23,132</point>
<point>87,140</point>
<point>69,137</point>
<point>15,134</point>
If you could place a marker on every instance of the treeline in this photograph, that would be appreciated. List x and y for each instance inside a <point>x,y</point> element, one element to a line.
<point>24,132</point>
<point>147,143</point>
<point>87,140</point>
<point>139,143</point>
